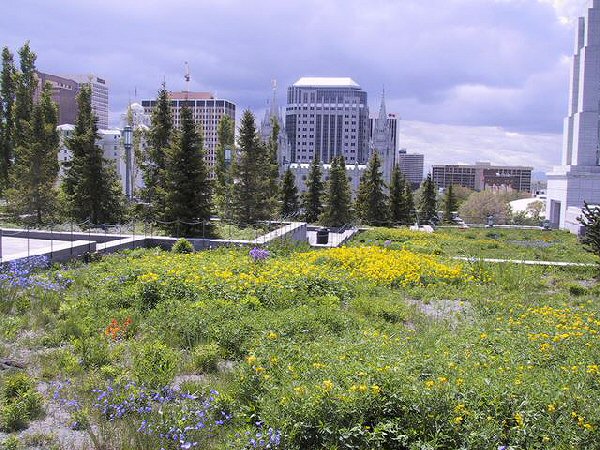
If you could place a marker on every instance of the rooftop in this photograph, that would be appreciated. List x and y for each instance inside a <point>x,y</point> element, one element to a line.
<point>326,82</point>
<point>183,95</point>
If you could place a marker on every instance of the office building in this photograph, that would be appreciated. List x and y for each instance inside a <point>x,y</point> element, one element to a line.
<point>99,96</point>
<point>64,94</point>
<point>411,165</point>
<point>207,112</point>
<point>483,175</point>
<point>327,117</point>
<point>577,179</point>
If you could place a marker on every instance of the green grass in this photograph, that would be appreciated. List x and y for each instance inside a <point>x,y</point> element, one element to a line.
<point>517,244</point>
<point>507,358</point>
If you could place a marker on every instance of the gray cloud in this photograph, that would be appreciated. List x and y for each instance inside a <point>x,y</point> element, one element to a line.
<point>469,63</point>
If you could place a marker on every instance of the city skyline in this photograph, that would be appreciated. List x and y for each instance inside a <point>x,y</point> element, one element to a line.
<point>495,78</point>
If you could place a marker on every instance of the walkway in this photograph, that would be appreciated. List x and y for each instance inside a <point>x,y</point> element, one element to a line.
<point>526,262</point>
<point>335,239</point>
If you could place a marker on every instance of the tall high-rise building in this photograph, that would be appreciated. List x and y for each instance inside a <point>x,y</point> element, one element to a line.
<point>327,117</point>
<point>411,165</point>
<point>207,112</point>
<point>577,179</point>
<point>99,96</point>
<point>64,94</point>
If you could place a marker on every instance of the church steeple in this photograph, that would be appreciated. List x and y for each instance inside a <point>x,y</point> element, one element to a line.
<point>382,110</point>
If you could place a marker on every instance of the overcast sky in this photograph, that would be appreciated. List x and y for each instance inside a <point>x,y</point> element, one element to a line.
<point>471,79</point>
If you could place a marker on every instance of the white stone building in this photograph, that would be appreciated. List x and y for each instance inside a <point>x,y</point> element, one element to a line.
<point>577,179</point>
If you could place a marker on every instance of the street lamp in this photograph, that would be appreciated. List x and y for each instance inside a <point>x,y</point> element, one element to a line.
<point>128,143</point>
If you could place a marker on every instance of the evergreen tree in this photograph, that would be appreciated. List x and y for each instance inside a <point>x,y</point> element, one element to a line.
<point>410,204</point>
<point>91,186</point>
<point>400,207</point>
<point>337,207</point>
<point>428,202</point>
<point>160,137</point>
<point>26,83</point>
<point>223,182</point>
<point>7,126</point>
<point>273,165</point>
<point>312,198</point>
<point>371,200</point>
<point>591,221</point>
<point>450,204</point>
<point>251,180</point>
<point>187,185</point>
<point>34,179</point>
<point>289,195</point>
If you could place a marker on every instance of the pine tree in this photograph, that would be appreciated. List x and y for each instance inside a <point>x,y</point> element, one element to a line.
<point>428,202</point>
<point>251,180</point>
<point>450,204</point>
<point>273,165</point>
<point>34,179</point>
<point>312,199</point>
<point>26,83</point>
<point>223,181</point>
<point>289,195</point>
<point>91,186</point>
<point>371,200</point>
<point>410,203</point>
<point>591,220</point>
<point>400,207</point>
<point>160,137</point>
<point>187,185</point>
<point>337,206</point>
<point>7,125</point>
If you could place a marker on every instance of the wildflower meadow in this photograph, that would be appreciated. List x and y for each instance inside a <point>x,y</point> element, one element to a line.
<point>389,342</point>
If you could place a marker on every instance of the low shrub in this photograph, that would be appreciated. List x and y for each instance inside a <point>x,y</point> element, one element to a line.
<point>183,246</point>
<point>205,357</point>
<point>154,364</point>
<point>19,402</point>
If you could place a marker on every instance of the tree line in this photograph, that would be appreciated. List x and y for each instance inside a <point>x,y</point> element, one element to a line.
<point>178,191</point>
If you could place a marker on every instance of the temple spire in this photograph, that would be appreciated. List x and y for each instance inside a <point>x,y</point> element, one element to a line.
<point>274,108</point>
<point>382,110</point>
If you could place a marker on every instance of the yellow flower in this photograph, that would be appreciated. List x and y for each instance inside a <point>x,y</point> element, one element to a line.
<point>429,384</point>
<point>442,380</point>
<point>551,407</point>
<point>327,385</point>
<point>251,359</point>
<point>458,420</point>
<point>519,419</point>
<point>375,389</point>
<point>272,336</point>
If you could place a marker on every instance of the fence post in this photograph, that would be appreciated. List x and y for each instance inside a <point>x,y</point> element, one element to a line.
<point>1,233</point>
<point>28,243</point>
<point>51,242</point>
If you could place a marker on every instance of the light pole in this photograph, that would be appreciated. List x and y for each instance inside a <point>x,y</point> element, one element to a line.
<point>127,142</point>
